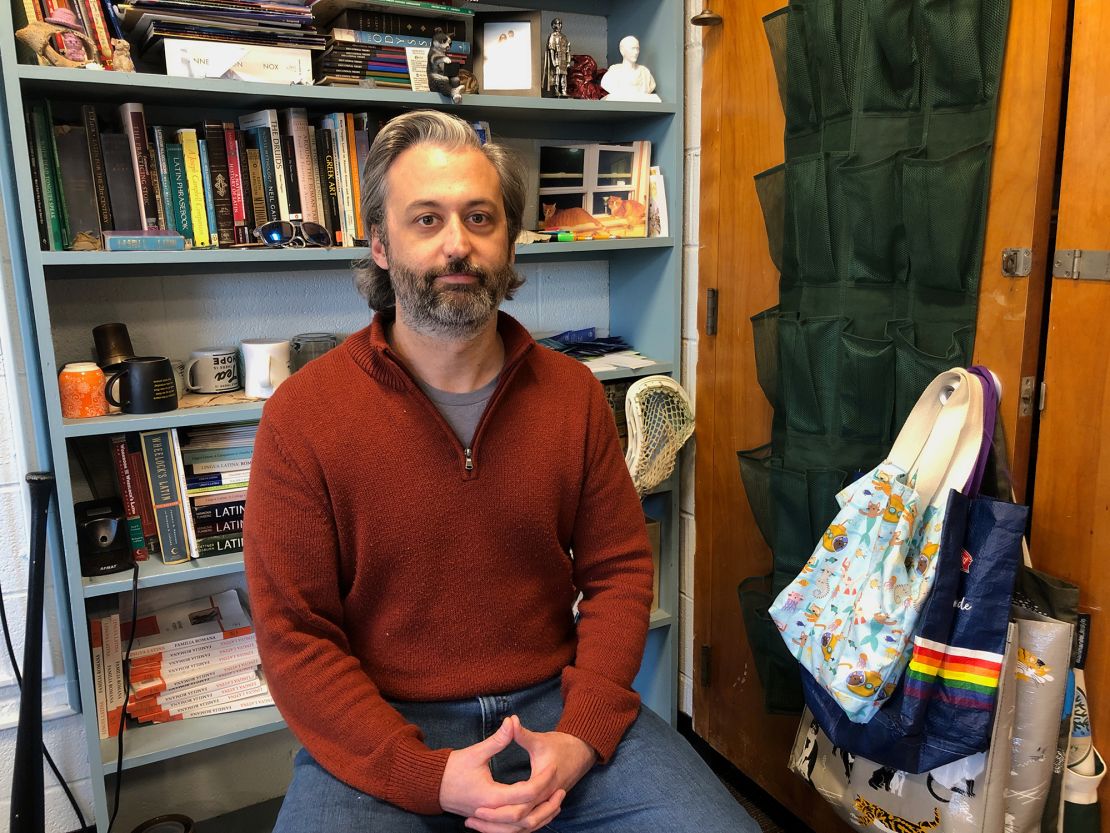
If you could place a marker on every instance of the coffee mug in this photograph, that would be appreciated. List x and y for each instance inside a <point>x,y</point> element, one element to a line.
<point>266,364</point>
<point>309,346</point>
<point>179,377</point>
<point>145,384</point>
<point>81,385</point>
<point>213,370</point>
<point>113,344</point>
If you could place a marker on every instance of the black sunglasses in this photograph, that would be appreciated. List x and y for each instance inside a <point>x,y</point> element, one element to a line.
<point>294,234</point>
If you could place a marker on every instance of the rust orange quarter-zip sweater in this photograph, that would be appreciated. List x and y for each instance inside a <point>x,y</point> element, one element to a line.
<point>385,561</point>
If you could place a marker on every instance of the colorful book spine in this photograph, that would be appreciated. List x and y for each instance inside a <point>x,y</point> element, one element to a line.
<point>268,119</point>
<point>138,241</point>
<point>242,453</point>
<point>257,186</point>
<point>165,495</point>
<point>158,149</point>
<point>44,155</point>
<point>59,186</point>
<point>187,136</point>
<point>294,123</point>
<point>134,127</point>
<point>217,512</point>
<point>217,148</point>
<point>96,163</point>
<point>259,139</point>
<point>94,17</point>
<point>209,194</point>
<point>292,179</point>
<point>328,191</point>
<point>196,481</point>
<point>179,474</point>
<point>142,485</point>
<point>318,191</point>
<point>247,178</point>
<point>355,179</point>
<point>224,527</point>
<point>36,184</point>
<point>128,492</point>
<point>220,545</point>
<point>96,648</point>
<point>338,123</point>
<point>235,183</point>
<point>179,191</point>
<point>382,39</point>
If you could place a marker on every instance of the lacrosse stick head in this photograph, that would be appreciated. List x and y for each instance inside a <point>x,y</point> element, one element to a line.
<point>660,420</point>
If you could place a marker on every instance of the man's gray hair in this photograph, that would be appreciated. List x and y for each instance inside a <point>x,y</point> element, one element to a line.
<point>425,127</point>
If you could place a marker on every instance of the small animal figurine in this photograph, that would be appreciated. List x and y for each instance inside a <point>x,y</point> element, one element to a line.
<point>633,212</point>
<point>121,56</point>
<point>443,75</point>
<point>39,35</point>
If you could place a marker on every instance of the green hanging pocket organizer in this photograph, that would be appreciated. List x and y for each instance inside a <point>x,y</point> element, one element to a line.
<point>770,188</point>
<point>775,27</point>
<point>807,372</point>
<point>808,239</point>
<point>822,28</point>
<point>914,368</point>
<point>765,334</point>
<point>865,391</point>
<point>755,472</point>
<point>956,71</point>
<point>779,673</point>
<point>888,73</point>
<point>944,210</point>
<point>875,247</point>
<point>801,101</point>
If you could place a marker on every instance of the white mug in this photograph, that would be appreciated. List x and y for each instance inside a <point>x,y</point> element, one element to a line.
<point>213,370</point>
<point>267,363</point>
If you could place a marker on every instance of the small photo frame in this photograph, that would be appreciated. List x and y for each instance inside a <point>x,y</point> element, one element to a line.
<point>509,53</point>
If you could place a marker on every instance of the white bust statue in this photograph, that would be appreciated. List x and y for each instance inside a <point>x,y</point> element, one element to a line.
<point>628,80</point>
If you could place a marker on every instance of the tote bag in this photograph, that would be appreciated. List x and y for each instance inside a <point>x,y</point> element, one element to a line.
<point>850,614</point>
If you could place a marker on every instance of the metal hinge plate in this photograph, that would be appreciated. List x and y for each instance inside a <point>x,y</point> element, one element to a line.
<point>1017,263</point>
<point>1081,264</point>
<point>1025,397</point>
<point>704,670</point>
<point>711,312</point>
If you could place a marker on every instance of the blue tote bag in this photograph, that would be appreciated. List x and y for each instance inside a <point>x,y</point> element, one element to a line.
<point>943,709</point>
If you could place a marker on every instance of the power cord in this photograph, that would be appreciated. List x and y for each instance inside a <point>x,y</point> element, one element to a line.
<point>127,691</point>
<point>19,681</point>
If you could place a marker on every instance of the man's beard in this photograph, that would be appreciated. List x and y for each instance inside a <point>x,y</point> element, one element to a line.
<point>457,310</point>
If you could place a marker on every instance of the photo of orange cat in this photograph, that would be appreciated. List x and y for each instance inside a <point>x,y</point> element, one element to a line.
<point>633,212</point>
<point>573,219</point>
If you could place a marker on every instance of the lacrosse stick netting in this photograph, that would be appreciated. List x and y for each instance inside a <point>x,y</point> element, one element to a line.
<point>660,421</point>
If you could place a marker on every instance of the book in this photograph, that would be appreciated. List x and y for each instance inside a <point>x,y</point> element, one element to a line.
<point>76,174</point>
<point>179,192</point>
<point>209,528</point>
<point>172,657</point>
<point>294,124</point>
<point>292,180</point>
<point>41,220</point>
<point>193,454</point>
<point>194,179</point>
<point>97,166</point>
<point>98,28</point>
<point>195,674</point>
<point>209,194</point>
<point>216,144</point>
<point>220,544</point>
<point>44,158</point>
<point>96,649</point>
<point>217,512</point>
<point>56,167</point>
<point>328,187</point>
<point>235,179</point>
<point>161,167</point>
<point>247,180</point>
<point>146,507</point>
<point>241,704</point>
<point>391,23</point>
<point>151,240</point>
<point>122,190</point>
<point>201,620</point>
<point>128,492</point>
<point>133,120</point>
<point>317,188</point>
<point>341,35</point>
<point>258,140</point>
<point>222,689</point>
<point>335,125</point>
<point>259,208</point>
<point>355,179</point>
<point>166,495</point>
<point>248,62</point>
<point>217,479</point>
<point>268,119</point>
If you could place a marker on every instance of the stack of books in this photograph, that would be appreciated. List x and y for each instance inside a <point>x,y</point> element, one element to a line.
<point>287,25</point>
<point>216,461</point>
<point>153,187</point>
<point>352,55</point>
<point>191,659</point>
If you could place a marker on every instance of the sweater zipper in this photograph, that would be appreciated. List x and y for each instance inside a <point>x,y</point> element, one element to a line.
<point>469,465</point>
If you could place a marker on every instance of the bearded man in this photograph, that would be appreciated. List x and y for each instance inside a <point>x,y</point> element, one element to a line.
<point>426,504</point>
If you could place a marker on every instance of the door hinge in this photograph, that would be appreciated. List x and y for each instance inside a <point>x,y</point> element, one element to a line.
<point>711,312</point>
<point>1017,263</point>
<point>704,670</point>
<point>1025,397</point>
<point>1081,264</point>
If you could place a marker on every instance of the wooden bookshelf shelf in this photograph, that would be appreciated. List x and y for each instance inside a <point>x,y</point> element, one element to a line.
<point>154,573</point>
<point>118,423</point>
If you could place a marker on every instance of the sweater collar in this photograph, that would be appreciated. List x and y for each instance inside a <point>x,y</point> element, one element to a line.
<point>371,351</point>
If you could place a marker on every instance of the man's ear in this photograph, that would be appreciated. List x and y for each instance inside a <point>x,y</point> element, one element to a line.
<point>377,249</point>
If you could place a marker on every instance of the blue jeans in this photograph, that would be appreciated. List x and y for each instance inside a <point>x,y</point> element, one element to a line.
<point>654,782</point>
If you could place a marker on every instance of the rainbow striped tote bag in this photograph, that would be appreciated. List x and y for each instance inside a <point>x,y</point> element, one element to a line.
<point>944,706</point>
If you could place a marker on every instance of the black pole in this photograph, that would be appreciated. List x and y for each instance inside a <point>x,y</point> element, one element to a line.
<point>28,808</point>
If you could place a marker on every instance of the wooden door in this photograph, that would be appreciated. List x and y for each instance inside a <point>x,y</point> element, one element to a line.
<point>1071,510</point>
<point>742,126</point>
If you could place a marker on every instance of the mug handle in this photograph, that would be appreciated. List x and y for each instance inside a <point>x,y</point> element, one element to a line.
<point>189,384</point>
<point>108,387</point>
<point>268,385</point>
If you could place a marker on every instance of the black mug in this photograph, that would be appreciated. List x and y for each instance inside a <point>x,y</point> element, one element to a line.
<point>146,385</point>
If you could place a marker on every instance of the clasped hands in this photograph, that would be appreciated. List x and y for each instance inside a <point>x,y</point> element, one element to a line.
<point>558,762</point>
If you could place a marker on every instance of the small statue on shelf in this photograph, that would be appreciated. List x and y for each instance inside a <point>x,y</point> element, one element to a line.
<point>443,73</point>
<point>557,60</point>
<point>629,80</point>
<point>39,36</point>
<point>121,56</point>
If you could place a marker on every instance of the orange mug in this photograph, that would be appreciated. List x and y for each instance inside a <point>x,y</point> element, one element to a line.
<point>82,388</point>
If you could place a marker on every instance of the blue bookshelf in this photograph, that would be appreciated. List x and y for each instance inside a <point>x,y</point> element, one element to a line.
<point>179,291</point>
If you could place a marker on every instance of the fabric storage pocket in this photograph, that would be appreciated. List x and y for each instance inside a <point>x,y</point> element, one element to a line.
<point>943,207</point>
<point>865,391</point>
<point>807,372</point>
<point>888,69</point>
<point>824,50</point>
<point>822,486</point>
<point>876,236</point>
<point>778,672</point>
<point>775,26</point>
<point>770,188</point>
<point>914,369</point>
<point>793,534</point>
<point>801,103</point>
<point>765,334</point>
<point>755,472</point>
<point>808,241</point>
<point>954,75</point>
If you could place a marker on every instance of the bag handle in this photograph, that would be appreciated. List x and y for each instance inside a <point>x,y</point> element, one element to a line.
<point>915,432</point>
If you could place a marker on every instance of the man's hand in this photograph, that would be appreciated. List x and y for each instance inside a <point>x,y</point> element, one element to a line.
<point>467,786</point>
<point>564,756</point>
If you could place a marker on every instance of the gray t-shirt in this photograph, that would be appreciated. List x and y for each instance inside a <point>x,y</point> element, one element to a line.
<point>461,410</point>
